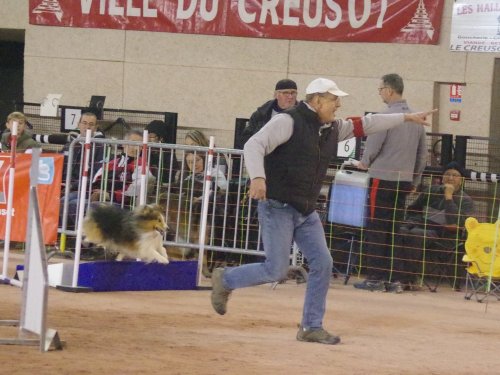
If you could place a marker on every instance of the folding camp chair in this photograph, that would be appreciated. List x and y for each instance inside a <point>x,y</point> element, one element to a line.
<point>483,264</point>
<point>442,257</point>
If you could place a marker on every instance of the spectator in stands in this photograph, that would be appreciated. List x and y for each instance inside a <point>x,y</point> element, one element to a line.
<point>196,166</point>
<point>192,185</point>
<point>25,142</point>
<point>88,120</point>
<point>166,167</point>
<point>437,216</point>
<point>197,138</point>
<point>287,161</point>
<point>123,174</point>
<point>285,97</point>
<point>395,160</point>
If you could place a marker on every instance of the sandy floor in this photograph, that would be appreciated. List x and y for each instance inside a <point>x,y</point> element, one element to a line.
<point>176,332</point>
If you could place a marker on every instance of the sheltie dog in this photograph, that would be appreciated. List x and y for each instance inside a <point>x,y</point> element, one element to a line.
<point>133,234</point>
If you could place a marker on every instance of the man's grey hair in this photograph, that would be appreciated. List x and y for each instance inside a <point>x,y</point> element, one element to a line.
<point>395,82</point>
<point>310,97</point>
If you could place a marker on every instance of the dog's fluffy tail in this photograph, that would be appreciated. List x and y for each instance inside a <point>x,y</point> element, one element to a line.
<point>110,222</point>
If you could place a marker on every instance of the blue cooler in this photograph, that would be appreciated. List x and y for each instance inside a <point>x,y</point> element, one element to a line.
<point>348,198</point>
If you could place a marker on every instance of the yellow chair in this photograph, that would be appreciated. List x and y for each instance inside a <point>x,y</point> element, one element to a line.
<point>482,255</point>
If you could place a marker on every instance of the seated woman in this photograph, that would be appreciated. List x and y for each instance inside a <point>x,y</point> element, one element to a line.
<point>185,201</point>
<point>196,166</point>
<point>197,138</point>
<point>436,217</point>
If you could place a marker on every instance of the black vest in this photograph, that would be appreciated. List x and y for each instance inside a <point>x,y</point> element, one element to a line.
<point>296,169</point>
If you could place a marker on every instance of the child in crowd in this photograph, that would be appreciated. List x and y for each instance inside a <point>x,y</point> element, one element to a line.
<point>25,142</point>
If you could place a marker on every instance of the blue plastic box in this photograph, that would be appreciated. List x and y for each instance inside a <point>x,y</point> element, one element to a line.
<point>348,198</point>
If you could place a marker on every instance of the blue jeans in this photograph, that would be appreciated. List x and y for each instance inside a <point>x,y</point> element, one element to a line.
<point>281,225</point>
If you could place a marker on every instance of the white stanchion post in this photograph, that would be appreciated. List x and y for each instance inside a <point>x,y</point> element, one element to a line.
<point>10,201</point>
<point>142,193</point>
<point>81,207</point>
<point>33,318</point>
<point>206,197</point>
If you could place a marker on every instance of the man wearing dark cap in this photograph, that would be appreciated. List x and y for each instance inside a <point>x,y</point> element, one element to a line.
<point>285,97</point>
<point>287,161</point>
<point>436,216</point>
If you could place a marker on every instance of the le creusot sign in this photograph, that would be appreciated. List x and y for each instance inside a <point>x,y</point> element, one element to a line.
<point>376,21</point>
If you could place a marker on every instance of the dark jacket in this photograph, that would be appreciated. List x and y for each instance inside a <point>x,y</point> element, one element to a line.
<point>441,212</point>
<point>95,161</point>
<point>296,169</point>
<point>258,119</point>
<point>163,171</point>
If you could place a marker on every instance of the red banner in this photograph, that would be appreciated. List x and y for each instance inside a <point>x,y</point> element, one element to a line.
<point>387,21</point>
<point>49,192</point>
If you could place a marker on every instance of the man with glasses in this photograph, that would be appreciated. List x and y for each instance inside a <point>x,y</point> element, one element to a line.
<point>285,97</point>
<point>395,160</point>
<point>88,120</point>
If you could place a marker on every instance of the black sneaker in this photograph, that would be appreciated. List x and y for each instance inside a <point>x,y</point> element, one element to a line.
<point>318,335</point>
<point>371,285</point>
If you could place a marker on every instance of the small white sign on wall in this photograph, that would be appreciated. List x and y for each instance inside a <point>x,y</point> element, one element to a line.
<point>71,118</point>
<point>50,104</point>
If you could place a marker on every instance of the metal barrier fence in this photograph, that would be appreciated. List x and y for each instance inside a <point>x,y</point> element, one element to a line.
<point>233,231</point>
<point>233,236</point>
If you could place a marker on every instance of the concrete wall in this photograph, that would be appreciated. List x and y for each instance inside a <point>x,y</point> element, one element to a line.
<point>212,80</point>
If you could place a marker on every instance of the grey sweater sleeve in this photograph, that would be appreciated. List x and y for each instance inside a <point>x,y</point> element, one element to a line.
<point>276,132</point>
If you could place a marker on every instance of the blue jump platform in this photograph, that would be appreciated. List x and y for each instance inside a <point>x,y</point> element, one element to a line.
<point>108,276</point>
<point>113,276</point>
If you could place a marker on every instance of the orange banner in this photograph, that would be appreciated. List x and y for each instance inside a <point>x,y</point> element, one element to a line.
<point>49,191</point>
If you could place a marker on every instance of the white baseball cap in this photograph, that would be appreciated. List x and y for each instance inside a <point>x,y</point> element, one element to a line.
<point>322,85</point>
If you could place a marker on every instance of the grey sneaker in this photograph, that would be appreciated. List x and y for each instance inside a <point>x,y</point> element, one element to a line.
<point>371,285</point>
<point>220,295</point>
<point>395,287</point>
<point>318,335</point>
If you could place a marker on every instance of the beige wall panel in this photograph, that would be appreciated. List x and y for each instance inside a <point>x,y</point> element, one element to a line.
<point>207,51</point>
<point>74,43</point>
<point>77,80</point>
<point>476,114</point>
<point>206,98</point>
<point>13,14</point>
<point>373,60</point>
<point>480,68</point>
